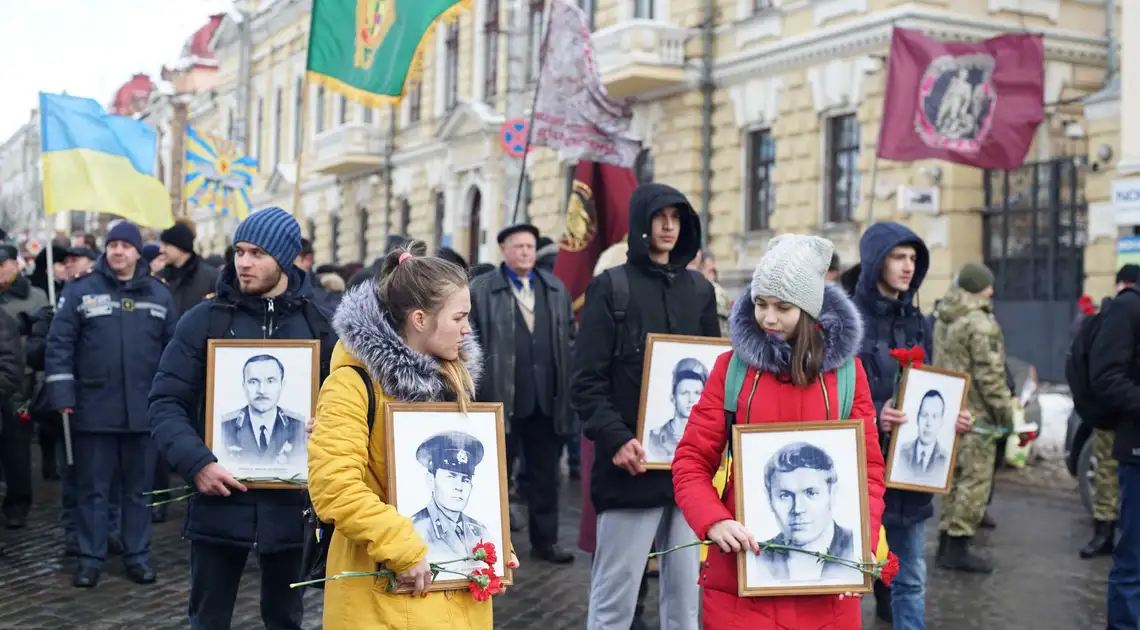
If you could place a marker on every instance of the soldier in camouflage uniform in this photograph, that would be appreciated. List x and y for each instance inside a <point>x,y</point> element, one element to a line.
<point>967,338</point>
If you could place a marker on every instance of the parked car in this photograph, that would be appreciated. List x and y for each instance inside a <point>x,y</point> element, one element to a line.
<point>1079,457</point>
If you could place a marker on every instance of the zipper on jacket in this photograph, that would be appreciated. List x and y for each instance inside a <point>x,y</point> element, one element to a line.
<point>267,327</point>
<point>826,398</point>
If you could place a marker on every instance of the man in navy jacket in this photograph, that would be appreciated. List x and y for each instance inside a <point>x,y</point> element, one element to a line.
<point>893,263</point>
<point>261,295</point>
<point>102,353</point>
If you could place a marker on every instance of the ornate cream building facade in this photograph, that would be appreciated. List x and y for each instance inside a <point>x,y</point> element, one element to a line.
<point>796,85</point>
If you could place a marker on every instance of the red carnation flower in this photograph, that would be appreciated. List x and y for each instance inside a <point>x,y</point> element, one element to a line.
<point>889,570</point>
<point>483,584</point>
<point>1026,438</point>
<point>485,551</point>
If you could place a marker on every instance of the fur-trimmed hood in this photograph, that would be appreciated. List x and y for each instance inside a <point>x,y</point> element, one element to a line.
<point>404,374</point>
<point>840,321</point>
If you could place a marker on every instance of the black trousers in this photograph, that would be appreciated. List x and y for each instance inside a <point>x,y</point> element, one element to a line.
<point>16,459</point>
<point>541,449</point>
<point>215,574</point>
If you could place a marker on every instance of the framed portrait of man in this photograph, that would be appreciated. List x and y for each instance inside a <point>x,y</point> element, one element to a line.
<point>260,394</point>
<point>676,369</point>
<point>447,471</point>
<point>801,490</point>
<point>921,454</point>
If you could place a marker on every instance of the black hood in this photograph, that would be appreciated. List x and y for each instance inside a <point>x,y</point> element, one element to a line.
<point>646,201</point>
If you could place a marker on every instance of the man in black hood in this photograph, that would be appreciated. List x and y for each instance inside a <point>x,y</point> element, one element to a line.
<point>652,292</point>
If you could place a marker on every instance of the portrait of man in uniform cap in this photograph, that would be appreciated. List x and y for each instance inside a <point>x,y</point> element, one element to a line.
<point>450,459</point>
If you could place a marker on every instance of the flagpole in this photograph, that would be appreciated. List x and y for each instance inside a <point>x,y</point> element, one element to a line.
<point>874,180</point>
<point>533,110</point>
<point>304,114</point>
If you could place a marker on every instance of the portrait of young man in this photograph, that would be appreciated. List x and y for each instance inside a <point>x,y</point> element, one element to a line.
<point>689,376</point>
<point>800,481</point>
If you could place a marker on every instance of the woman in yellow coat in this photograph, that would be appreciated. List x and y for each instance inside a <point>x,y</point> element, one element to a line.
<point>409,330</point>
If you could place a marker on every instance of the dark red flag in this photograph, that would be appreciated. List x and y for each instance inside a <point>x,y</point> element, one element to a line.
<point>597,216</point>
<point>971,103</point>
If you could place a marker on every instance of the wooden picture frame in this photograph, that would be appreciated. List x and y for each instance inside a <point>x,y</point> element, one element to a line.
<point>746,466</point>
<point>288,463</point>
<point>704,349</point>
<point>453,420</point>
<point>908,478</point>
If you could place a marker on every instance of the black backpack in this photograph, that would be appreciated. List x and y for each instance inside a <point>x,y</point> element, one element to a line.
<point>619,295</point>
<point>318,534</point>
<point>1085,400</point>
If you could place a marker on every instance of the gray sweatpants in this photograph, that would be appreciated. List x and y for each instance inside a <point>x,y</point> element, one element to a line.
<point>624,540</point>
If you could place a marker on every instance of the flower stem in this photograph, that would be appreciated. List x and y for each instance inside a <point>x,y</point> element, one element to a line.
<point>346,574</point>
<point>695,543</point>
<point>166,491</point>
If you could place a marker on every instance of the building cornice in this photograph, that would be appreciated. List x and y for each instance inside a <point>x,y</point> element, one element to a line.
<point>415,154</point>
<point>873,34</point>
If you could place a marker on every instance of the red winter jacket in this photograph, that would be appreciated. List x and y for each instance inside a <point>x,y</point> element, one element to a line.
<point>775,400</point>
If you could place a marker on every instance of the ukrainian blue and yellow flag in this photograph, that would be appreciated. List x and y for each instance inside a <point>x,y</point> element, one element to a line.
<point>96,162</point>
<point>218,175</point>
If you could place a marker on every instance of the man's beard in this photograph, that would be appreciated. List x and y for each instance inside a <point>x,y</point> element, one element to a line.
<point>259,287</point>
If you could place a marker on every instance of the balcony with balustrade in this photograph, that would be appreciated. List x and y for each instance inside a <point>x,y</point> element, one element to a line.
<point>636,56</point>
<point>349,149</point>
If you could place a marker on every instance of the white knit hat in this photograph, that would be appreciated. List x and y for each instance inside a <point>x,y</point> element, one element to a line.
<point>793,270</point>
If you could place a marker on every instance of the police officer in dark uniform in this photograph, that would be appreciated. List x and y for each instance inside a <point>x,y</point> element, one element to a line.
<point>450,459</point>
<point>102,353</point>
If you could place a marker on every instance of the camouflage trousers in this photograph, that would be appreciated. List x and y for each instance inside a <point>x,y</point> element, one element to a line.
<point>1105,483</point>
<point>964,505</point>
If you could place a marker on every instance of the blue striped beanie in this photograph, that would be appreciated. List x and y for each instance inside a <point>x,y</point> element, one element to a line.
<point>274,231</point>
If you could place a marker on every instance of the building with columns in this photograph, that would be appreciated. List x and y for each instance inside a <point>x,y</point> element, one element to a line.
<point>788,94</point>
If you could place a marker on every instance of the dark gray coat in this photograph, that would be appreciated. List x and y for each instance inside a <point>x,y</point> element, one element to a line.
<point>493,318</point>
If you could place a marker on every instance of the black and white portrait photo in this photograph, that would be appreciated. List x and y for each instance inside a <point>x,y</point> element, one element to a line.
<point>802,490</point>
<point>448,476</point>
<point>260,397</point>
<point>922,450</point>
<point>677,368</point>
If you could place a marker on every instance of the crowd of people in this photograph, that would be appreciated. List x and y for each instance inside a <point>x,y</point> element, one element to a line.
<point>122,358</point>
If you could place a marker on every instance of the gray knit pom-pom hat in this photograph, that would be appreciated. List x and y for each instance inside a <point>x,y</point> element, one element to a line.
<point>793,271</point>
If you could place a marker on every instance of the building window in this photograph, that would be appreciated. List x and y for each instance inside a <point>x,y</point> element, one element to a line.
<point>491,50</point>
<point>527,192</point>
<point>312,227</point>
<point>278,111</point>
<point>589,7</point>
<point>368,115</point>
<point>342,114</point>
<point>761,160</point>
<point>334,227</point>
<point>451,68</point>
<point>230,125</point>
<point>759,6</point>
<point>440,211</point>
<point>405,217</point>
<point>534,28</point>
<point>298,97</point>
<point>320,109</point>
<point>643,167</point>
<point>255,141</point>
<point>414,104</point>
<point>842,169</point>
<point>643,9</point>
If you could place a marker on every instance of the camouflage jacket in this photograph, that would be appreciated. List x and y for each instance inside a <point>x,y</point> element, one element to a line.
<point>967,338</point>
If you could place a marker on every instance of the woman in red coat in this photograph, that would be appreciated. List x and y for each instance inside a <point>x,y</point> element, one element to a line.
<point>794,332</point>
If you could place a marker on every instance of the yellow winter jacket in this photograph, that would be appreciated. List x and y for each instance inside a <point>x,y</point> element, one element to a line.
<point>348,486</point>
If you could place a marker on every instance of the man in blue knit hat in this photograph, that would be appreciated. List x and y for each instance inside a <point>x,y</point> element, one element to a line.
<point>102,352</point>
<point>260,295</point>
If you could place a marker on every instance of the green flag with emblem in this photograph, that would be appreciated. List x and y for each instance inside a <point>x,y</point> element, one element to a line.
<point>371,50</point>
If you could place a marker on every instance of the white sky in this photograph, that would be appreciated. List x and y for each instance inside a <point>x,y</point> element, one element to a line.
<point>87,47</point>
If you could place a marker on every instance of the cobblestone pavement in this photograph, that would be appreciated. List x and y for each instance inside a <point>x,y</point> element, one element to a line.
<point>1039,584</point>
